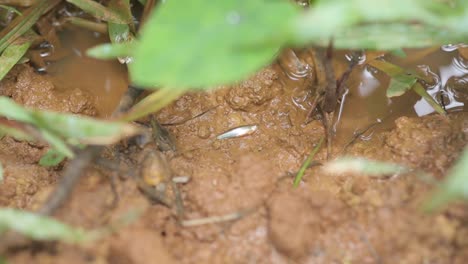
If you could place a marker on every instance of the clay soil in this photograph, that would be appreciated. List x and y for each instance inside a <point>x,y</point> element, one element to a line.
<point>345,218</point>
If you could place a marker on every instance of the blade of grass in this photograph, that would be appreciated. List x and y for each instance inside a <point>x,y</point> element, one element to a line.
<point>402,81</point>
<point>152,103</point>
<point>40,228</point>
<point>87,24</point>
<point>121,33</point>
<point>11,9</point>
<point>99,11</point>
<point>111,51</point>
<point>364,166</point>
<point>306,163</point>
<point>12,54</point>
<point>23,23</point>
<point>424,94</point>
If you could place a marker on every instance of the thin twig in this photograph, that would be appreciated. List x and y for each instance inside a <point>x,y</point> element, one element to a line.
<point>214,219</point>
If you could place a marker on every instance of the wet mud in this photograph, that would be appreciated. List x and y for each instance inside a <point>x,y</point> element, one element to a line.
<point>344,218</point>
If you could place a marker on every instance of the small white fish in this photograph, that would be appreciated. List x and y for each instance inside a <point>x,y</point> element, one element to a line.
<point>238,132</point>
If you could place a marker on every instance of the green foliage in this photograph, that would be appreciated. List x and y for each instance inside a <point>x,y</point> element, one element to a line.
<point>364,166</point>
<point>401,81</point>
<point>201,43</point>
<point>51,158</point>
<point>306,163</point>
<point>11,56</point>
<point>62,129</point>
<point>454,186</point>
<point>101,12</point>
<point>11,9</point>
<point>382,24</point>
<point>213,43</point>
<point>21,24</point>
<point>39,227</point>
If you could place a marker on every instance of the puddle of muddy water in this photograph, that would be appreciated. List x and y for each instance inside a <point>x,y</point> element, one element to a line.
<point>105,80</point>
<point>366,102</point>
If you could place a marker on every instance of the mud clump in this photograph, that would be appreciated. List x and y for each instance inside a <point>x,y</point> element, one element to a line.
<point>249,95</point>
<point>431,142</point>
<point>37,91</point>
<point>297,221</point>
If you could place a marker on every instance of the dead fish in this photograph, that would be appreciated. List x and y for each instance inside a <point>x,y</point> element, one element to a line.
<point>238,132</point>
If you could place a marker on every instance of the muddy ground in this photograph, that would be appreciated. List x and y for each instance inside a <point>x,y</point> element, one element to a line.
<point>328,219</point>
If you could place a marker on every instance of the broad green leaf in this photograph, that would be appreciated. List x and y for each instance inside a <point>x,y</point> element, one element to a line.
<point>203,43</point>
<point>11,56</point>
<point>453,187</point>
<point>101,12</point>
<point>51,158</point>
<point>112,51</point>
<point>382,24</point>
<point>39,227</point>
<point>399,53</point>
<point>306,163</point>
<point>391,36</point>
<point>364,166</point>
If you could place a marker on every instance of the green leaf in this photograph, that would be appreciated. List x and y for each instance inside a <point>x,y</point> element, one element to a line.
<point>11,9</point>
<point>401,81</point>
<point>87,24</point>
<point>424,94</point>
<point>453,187</point>
<point>51,158</point>
<point>14,132</point>
<point>3,260</point>
<point>306,163</point>
<point>209,42</point>
<point>22,24</point>
<point>112,51</point>
<point>101,12</point>
<point>400,84</point>
<point>152,103</point>
<point>364,166</point>
<point>12,54</point>
<point>39,227</point>
<point>382,24</point>
<point>56,128</point>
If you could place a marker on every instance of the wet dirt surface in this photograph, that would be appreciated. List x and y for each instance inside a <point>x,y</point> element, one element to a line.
<point>328,219</point>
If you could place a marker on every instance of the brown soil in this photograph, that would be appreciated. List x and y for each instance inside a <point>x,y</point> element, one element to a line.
<point>327,219</point>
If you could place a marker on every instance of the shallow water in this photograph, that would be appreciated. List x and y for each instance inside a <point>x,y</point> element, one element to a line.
<point>105,80</point>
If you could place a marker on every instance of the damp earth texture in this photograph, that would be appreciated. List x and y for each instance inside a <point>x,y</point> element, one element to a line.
<point>234,152</point>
